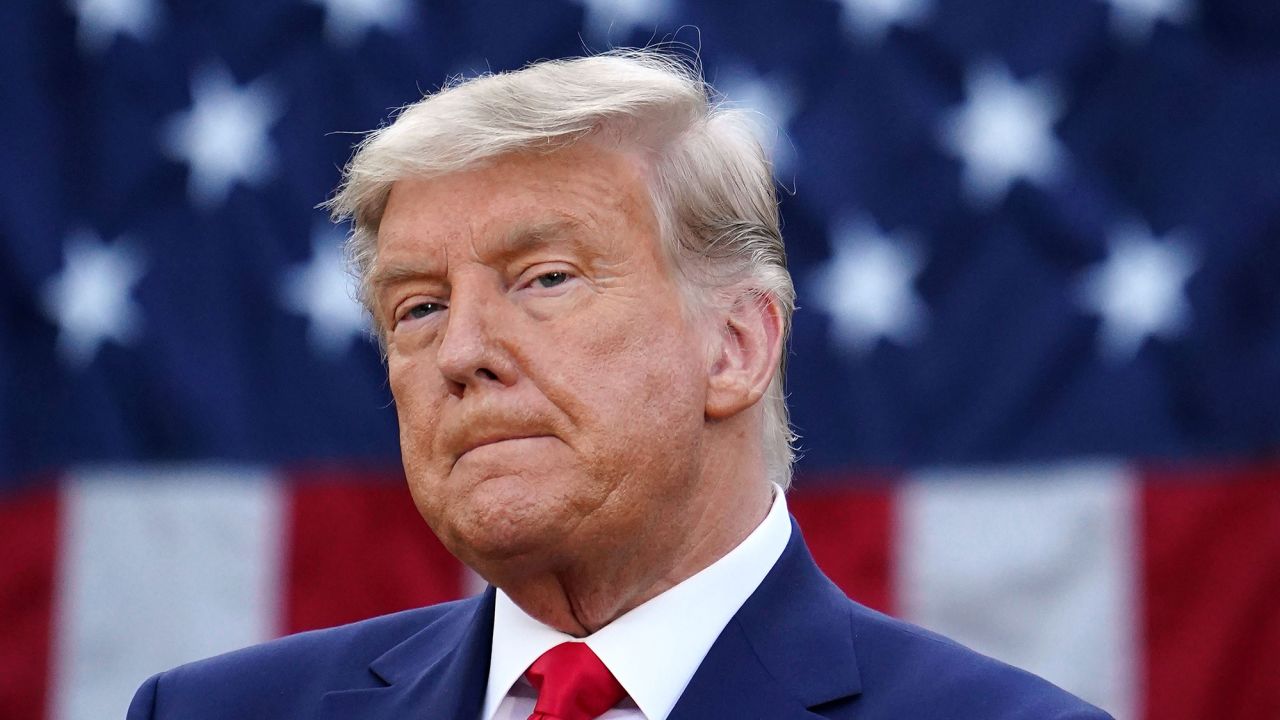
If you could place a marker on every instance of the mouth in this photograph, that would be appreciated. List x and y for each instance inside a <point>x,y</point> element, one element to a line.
<point>495,440</point>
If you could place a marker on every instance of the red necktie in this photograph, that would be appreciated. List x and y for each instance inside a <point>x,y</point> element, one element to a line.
<point>572,684</point>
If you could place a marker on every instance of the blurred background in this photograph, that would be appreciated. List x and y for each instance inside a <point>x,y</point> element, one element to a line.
<point>1035,369</point>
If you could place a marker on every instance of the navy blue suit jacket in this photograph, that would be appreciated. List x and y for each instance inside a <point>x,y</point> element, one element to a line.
<point>798,648</point>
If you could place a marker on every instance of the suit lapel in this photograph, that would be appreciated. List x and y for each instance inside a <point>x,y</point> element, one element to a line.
<point>439,672</point>
<point>732,682</point>
<point>788,649</point>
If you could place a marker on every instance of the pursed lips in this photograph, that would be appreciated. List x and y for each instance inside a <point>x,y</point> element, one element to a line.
<point>482,441</point>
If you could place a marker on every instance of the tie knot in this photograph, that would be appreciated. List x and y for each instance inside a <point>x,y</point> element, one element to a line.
<point>572,683</point>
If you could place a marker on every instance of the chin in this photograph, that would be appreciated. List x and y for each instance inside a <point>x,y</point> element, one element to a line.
<point>504,519</point>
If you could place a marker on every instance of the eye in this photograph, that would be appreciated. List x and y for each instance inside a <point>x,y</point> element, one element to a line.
<point>551,279</point>
<point>421,310</point>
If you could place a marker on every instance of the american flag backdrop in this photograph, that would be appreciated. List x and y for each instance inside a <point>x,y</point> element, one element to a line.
<point>1036,367</point>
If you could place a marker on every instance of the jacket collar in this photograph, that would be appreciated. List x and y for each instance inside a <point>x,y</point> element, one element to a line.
<point>438,672</point>
<point>750,671</point>
<point>789,648</point>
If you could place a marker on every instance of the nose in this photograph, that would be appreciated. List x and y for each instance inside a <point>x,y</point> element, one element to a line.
<point>472,353</point>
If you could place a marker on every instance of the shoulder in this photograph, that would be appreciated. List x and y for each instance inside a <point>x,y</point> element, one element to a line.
<point>912,672</point>
<point>855,662</point>
<point>277,678</point>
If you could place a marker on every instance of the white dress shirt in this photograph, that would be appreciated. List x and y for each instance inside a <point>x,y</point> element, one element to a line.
<point>654,649</point>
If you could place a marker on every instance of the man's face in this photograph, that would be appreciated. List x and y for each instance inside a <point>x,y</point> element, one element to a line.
<point>550,387</point>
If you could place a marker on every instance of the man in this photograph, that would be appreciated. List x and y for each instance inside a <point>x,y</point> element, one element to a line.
<point>577,275</point>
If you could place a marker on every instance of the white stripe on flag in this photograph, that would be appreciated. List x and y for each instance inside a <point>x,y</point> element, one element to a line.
<point>159,567</point>
<point>1035,567</point>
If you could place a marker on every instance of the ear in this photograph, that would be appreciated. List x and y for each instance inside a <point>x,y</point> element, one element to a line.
<point>745,355</point>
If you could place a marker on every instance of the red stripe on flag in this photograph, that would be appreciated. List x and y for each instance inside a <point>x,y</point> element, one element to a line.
<point>358,548</point>
<point>849,532</point>
<point>28,568</point>
<point>1211,556</point>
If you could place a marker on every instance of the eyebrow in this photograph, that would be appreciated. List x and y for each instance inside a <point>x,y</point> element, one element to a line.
<point>524,238</point>
<point>520,239</point>
<point>385,276</point>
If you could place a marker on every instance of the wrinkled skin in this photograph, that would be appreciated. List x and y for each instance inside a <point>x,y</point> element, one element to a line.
<point>568,428</point>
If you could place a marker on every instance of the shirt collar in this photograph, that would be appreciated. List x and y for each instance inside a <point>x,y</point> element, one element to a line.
<point>654,649</point>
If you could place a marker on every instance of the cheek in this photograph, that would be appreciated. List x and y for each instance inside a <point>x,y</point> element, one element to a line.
<point>644,380</point>
<point>418,397</point>
<point>404,376</point>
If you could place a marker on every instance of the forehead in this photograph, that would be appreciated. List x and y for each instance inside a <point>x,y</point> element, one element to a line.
<point>516,199</point>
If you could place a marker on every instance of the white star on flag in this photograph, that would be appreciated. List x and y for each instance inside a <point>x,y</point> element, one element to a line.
<point>605,20</point>
<point>223,137</point>
<point>89,298</point>
<point>321,291</point>
<point>1133,20</point>
<point>1138,291</point>
<point>772,101</point>
<point>868,287</point>
<point>346,22</point>
<point>1003,132</point>
<point>871,19</point>
<point>100,21</point>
